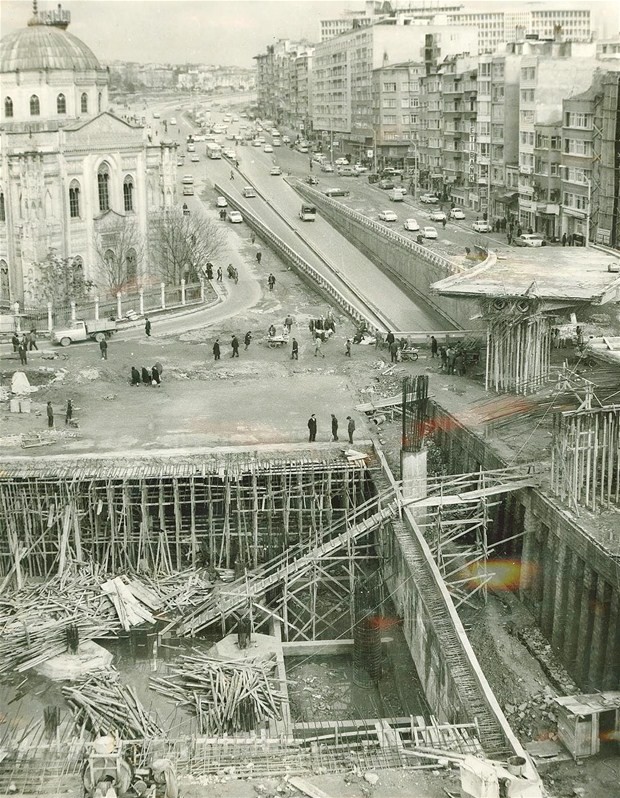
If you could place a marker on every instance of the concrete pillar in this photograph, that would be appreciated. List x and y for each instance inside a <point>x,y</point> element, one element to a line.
<point>611,669</point>
<point>202,290</point>
<point>163,295</point>
<point>119,305</point>
<point>73,314</point>
<point>182,292</point>
<point>18,321</point>
<point>50,317</point>
<point>141,295</point>
<point>586,625</point>
<point>573,610</point>
<point>599,635</point>
<point>97,307</point>
<point>413,473</point>
<point>561,597</point>
<point>549,574</point>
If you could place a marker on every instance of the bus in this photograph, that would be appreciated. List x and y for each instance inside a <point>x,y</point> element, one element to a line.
<point>213,150</point>
<point>307,213</point>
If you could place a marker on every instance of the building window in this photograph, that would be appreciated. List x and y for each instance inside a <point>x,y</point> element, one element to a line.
<point>99,101</point>
<point>4,280</point>
<point>84,103</point>
<point>389,87</point>
<point>74,200</point>
<point>8,107</point>
<point>2,208</point>
<point>61,104</point>
<point>128,193</point>
<point>35,108</point>
<point>103,186</point>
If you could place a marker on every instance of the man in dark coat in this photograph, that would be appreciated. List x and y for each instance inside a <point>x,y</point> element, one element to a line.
<point>334,428</point>
<point>147,326</point>
<point>394,351</point>
<point>295,350</point>
<point>103,346</point>
<point>15,342</point>
<point>434,346</point>
<point>247,339</point>
<point>155,377</point>
<point>259,257</point>
<point>350,428</point>
<point>135,376</point>
<point>23,353</point>
<point>312,428</point>
<point>69,411</point>
<point>50,415</point>
<point>146,376</point>
<point>235,346</point>
<point>216,349</point>
<point>389,339</point>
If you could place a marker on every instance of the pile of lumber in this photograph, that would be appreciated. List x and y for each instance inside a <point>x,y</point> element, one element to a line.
<point>226,696</point>
<point>102,705</point>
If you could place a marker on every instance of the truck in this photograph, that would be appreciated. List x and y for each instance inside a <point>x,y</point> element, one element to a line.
<point>214,151</point>
<point>82,330</point>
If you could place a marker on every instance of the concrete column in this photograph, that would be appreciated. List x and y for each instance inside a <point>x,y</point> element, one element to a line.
<point>202,290</point>
<point>611,669</point>
<point>549,573</point>
<point>599,634</point>
<point>18,321</point>
<point>97,307</point>
<point>73,315</point>
<point>573,610</point>
<point>413,473</point>
<point>50,317</point>
<point>119,305</point>
<point>561,597</point>
<point>141,295</point>
<point>182,292</point>
<point>586,625</point>
<point>163,295</point>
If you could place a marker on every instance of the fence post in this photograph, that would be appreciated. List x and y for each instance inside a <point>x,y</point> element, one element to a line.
<point>72,310</point>
<point>163,296</point>
<point>141,292</point>
<point>50,319</point>
<point>202,290</point>
<point>96,308</point>
<point>18,321</point>
<point>119,306</point>
<point>182,291</point>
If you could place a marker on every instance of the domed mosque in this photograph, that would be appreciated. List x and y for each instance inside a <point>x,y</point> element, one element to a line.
<point>75,180</point>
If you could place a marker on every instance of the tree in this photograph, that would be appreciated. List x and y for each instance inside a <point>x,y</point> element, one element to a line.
<point>57,280</point>
<point>181,245</point>
<point>120,251</point>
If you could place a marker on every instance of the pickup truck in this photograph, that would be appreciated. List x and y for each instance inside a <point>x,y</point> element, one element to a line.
<point>95,329</point>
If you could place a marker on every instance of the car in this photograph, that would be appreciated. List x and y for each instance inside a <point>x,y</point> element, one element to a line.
<point>437,216</point>
<point>228,153</point>
<point>191,147</point>
<point>336,192</point>
<point>220,202</point>
<point>347,171</point>
<point>275,170</point>
<point>234,217</point>
<point>388,216</point>
<point>341,162</point>
<point>188,180</point>
<point>411,225</point>
<point>327,167</point>
<point>180,162</point>
<point>456,213</point>
<point>195,158</point>
<point>386,184</point>
<point>429,199</point>
<point>267,148</point>
<point>311,180</point>
<point>248,191</point>
<point>256,143</point>
<point>156,115</point>
<point>429,232</point>
<point>481,226</point>
<point>360,169</point>
<point>200,137</point>
<point>173,121</point>
<point>302,148</point>
<point>286,139</point>
<point>530,240</point>
<point>277,143</point>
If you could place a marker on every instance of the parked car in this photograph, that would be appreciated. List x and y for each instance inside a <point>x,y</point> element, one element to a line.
<point>341,162</point>
<point>429,232</point>
<point>388,216</point>
<point>228,153</point>
<point>267,148</point>
<point>373,178</point>
<point>195,158</point>
<point>234,216</point>
<point>386,184</point>
<point>347,171</point>
<point>480,226</point>
<point>327,167</point>
<point>530,240</point>
<point>336,192</point>
<point>220,202</point>
<point>360,169</point>
<point>275,170</point>
<point>173,121</point>
<point>286,139</point>
<point>411,225</point>
<point>277,143</point>
<point>248,191</point>
<point>456,213</point>
<point>429,199</point>
<point>311,180</point>
<point>437,216</point>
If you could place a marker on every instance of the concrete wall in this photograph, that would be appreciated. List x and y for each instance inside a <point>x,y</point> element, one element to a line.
<point>409,264</point>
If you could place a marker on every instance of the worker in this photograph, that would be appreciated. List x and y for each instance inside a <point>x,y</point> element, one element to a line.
<point>350,428</point>
<point>147,326</point>
<point>50,415</point>
<point>69,412</point>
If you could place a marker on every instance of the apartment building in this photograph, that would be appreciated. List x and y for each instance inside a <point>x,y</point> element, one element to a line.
<point>279,79</point>
<point>395,104</point>
<point>459,91</point>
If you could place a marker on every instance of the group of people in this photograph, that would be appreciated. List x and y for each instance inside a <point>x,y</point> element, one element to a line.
<point>232,272</point>
<point>145,376</point>
<point>312,428</point>
<point>49,410</point>
<point>25,344</point>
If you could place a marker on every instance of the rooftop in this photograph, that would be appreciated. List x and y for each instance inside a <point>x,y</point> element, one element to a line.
<point>44,47</point>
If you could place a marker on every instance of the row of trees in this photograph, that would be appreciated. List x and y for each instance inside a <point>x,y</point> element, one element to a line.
<point>179,246</point>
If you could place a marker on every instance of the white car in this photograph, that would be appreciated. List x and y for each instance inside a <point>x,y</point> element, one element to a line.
<point>173,121</point>
<point>388,216</point>
<point>327,167</point>
<point>195,158</point>
<point>267,148</point>
<point>188,180</point>
<point>275,170</point>
<point>411,225</point>
<point>248,191</point>
<point>530,240</point>
<point>480,226</point>
<point>360,169</point>
<point>234,217</point>
<point>437,216</point>
<point>156,115</point>
<point>341,162</point>
<point>286,139</point>
<point>430,199</point>
<point>429,232</point>
<point>457,213</point>
<point>277,143</point>
<point>180,162</point>
<point>220,202</point>
<point>256,143</point>
<point>228,153</point>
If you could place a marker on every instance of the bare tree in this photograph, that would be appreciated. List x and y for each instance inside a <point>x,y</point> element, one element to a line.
<point>57,280</point>
<point>120,251</point>
<point>182,244</point>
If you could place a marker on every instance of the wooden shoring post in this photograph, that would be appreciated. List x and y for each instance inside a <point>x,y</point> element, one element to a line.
<point>77,534</point>
<point>286,508</point>
<point>211,537</point>
<point>192,520</point>
<point>226,529</point>
<point>269,503</point>
<point>329,512</point>
<point>300,505</point>
<point>143,540</point>
<point>285,600</point>
<point>163,532</point>
<point>241,538</point>
<point>254,519</point>
<point>178,523</point>
<point>126,523</point>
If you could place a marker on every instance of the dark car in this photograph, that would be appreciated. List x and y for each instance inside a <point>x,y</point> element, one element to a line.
<point>386,184</point>
<point>312,181</point>
<point>336,192</point>
<point>373,178</point>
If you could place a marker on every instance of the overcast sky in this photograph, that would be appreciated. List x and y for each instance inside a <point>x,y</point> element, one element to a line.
<point>199,31</point>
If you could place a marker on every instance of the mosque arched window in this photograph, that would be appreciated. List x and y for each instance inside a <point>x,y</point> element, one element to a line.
<point>131,262</point>
<point>8,107</point>
<point>74,200</point>
<point>35,107</point>
<point>4,280</point>
<point>61,104</point>
<point>84,103</point>
<point>128,193</point>
<point>103,187</point>
<point>2,208</point>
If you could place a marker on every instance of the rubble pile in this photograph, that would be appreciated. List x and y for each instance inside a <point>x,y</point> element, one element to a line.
<point>533,639</point>
<point>535,718</point>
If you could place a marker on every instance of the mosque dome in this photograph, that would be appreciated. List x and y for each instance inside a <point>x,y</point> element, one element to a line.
<point>44,47</point>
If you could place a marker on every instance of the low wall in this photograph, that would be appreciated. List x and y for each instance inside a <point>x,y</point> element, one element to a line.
<point>413,265</point>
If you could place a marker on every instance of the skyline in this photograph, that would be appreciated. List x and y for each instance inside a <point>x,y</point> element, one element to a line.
<point>227,33</point>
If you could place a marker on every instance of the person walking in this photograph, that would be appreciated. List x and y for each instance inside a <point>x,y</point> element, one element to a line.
<point>253,237</point>
<point>564,238</point>
<point>68,412</point>
<point>147,326</point>
<point>15,342</point>
<point>394,351</point>
<point>350,428</point>
<point>271,281</point>
<point>509,237</point>
<point>334,428</point>
<point>259,257</point>
<point>135,376</point>
<point>23,353</point>
<point>312,428</point>
<point>317,347</point>
<point>389,338</point>
<point>247,340</point>
<point>235,346</point>
<point>295,350</point>
<point>146,376</point>
<point>444,223</point>
<point>288,323</point>
<point>434,346</point>
<point>32,340</point>
<point>443,354</point>
<point>50,415</point>
<point>347,348</point>
<point>103,347</point>
<point>220,274</point>
<point>216,349</point>
<point>155,376</point>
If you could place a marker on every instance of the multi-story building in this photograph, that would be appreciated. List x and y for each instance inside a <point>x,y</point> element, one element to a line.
<point>395,103</point>
<point>278,84</point>
<point>608,217</point>
<point>459,111</point>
